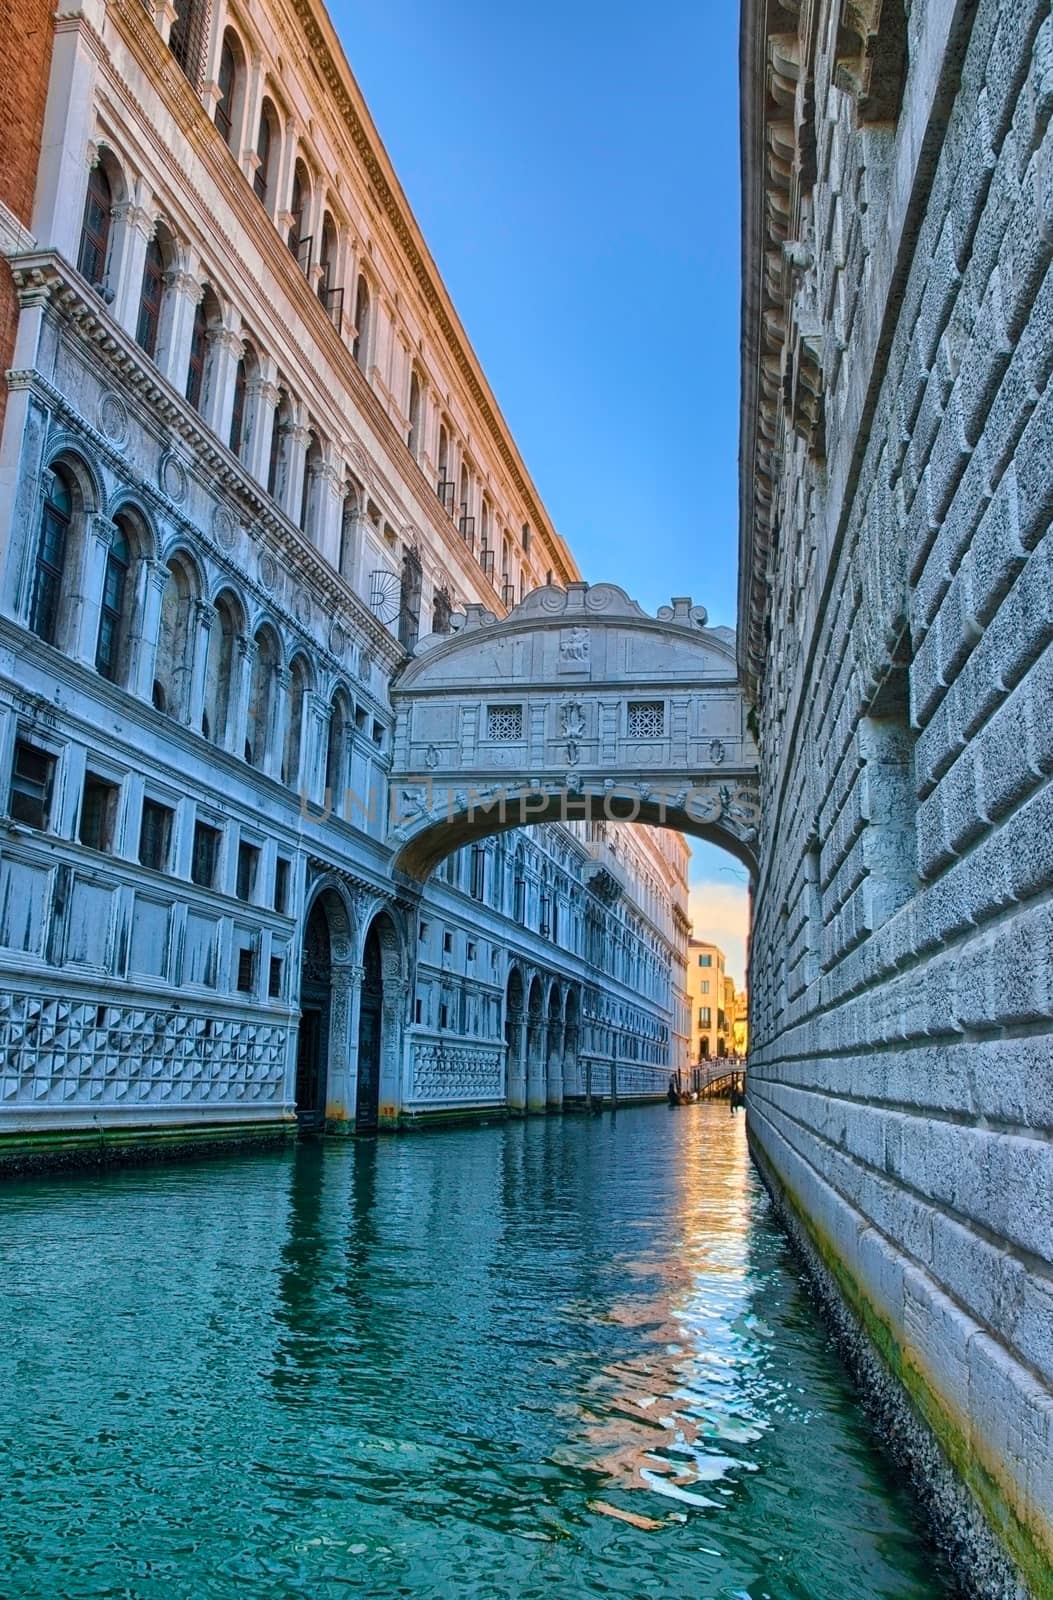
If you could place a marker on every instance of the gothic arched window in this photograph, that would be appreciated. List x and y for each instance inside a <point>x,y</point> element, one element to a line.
<point>114,595</point>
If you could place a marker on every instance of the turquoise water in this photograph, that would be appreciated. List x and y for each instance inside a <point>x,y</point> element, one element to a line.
<point>436,1366</point>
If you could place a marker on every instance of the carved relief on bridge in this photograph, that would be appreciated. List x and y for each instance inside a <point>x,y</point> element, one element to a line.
<point>578,703</point>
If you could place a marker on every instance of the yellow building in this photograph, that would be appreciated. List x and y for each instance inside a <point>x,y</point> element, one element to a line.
<point>706,987</point>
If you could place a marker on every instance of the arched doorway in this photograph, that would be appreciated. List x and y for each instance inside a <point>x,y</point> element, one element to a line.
<point>370,1036</point>
<point>316,984</point>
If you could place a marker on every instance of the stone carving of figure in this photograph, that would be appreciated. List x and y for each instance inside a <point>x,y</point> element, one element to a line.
<point>574,646</point>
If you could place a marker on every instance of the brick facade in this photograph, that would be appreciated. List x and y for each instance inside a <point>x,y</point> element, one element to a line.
<point>25,57</point>
<point>897,631</point>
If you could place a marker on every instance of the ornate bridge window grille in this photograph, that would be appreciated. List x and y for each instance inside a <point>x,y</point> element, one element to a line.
<point>504,724</point>
<point>646,719</point>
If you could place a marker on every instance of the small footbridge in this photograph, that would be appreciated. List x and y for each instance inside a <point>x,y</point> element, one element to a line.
<point>575,706</point>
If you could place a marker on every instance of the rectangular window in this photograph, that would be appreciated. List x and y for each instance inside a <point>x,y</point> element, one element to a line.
<point>705,1016</point>
<point>417,1011</point>
<point>447,943</point>
<point>281,885</point>
<point>32,779</point>
<point>205,855</point>
<point>477,880</point>
<point>646,719</point>
<point>423,932</point>
<point>274,982</point>
<point>155,835</point>
<point>504,724</point>
<point>704,986</point>
<point>705,961</point>
<point>246,979</point>
<point>98,811</point>
<point>248,862</point>
<point>444,1015</point>
<point>470,952</point>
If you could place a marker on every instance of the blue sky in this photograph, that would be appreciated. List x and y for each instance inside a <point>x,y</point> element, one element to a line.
<point>574,169</point>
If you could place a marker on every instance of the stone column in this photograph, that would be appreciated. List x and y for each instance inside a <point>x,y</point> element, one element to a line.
<point>217,401</point>
<point>203,616</point>
<point>570,1064</point>
<point>261,403</point>
<point>296,436</point>
<point>255,79</point>
<point>554,1073</point>
<point>182,296</point>
<point>313,741</point>
<point>149,588</point>
<point>344,1006</point>
<point>238,694</point>
<point>516,1062</point>
<point>325,505</point>
<point>279,722</point>
<point>84,600</point>
<point>537,1054</point>
<point>69,119</point>
<point>392,1049</point>
<point>135,227</point>
<point>283,187</point>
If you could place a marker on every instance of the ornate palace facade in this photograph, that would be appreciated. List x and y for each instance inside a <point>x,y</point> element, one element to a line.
<point>248,458</point>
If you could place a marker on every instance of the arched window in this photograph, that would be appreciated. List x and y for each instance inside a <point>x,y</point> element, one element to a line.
<point>187,36</point>
<point>282,416</point>
<point>266,152</point>
<point>299,205</point>
<point>150,297</point>
<point>414,440</point>
<point>229,80</point>
<point>95,229</point>
<point>52,547</point>
<point>294,724</point>
<point>360,348</point>
<point>108,649</point>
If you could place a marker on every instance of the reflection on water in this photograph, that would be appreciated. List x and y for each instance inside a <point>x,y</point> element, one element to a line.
<point>562,1357</point>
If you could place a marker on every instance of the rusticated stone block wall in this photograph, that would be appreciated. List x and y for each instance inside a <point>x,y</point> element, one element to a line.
<point>901,1071</point>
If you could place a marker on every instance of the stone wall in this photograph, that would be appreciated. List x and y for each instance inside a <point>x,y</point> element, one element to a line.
<point>898,618</point>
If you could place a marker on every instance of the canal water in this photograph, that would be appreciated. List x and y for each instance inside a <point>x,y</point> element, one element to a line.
<point>563,1358</point>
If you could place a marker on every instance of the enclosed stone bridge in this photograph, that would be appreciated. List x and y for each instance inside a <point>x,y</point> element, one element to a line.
<point>577,705</point>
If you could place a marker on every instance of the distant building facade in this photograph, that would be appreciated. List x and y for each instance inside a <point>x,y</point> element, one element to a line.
<point>248,458</point>
<point>707,988</point>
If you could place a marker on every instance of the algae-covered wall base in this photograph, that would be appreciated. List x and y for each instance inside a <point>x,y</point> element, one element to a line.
<point>958,1526</point>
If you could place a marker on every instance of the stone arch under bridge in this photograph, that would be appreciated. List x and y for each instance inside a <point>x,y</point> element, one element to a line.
<point>576,705</point>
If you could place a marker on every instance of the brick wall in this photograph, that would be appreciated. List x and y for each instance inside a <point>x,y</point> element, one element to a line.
<point>901,1072</point>
<point>25,59</point>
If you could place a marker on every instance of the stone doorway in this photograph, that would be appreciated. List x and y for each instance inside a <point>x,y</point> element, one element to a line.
<point>370,1036</point>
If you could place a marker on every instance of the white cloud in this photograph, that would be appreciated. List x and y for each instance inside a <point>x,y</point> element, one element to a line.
<point>720,913</point>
